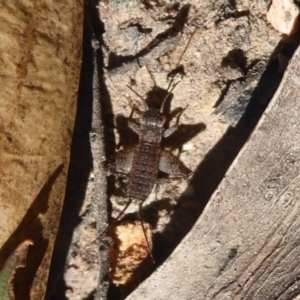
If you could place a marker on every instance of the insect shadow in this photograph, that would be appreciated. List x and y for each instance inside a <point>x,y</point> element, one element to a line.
<point>184,133</point>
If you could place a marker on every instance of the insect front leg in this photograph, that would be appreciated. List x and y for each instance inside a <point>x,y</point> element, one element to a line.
<point>170,131</point>
<point>171,164</point>
<point>135,109</point>
<point>131,123</point>
<point>134,126</point>
<point>173,128</point>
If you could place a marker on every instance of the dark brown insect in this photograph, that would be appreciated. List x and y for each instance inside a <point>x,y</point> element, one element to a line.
<point>148,157</point>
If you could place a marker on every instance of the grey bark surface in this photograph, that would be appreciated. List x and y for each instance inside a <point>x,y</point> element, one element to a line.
<point>88,253</point>
<point>83,262</point>
<point>246,244</point>
<point>100,186</point>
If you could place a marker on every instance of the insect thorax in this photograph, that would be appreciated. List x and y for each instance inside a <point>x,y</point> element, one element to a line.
<point>152,126</point>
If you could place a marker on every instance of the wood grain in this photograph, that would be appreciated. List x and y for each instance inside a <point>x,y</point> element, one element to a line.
<point>246,244</point>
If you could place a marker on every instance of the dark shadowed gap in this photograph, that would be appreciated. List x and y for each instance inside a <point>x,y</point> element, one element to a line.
<point>79,170</point>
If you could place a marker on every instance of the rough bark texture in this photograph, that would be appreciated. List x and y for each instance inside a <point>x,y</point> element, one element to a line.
<point>246,244</point>
<point>76,262</point>
<point>99,207</point>
<point>142,44</point>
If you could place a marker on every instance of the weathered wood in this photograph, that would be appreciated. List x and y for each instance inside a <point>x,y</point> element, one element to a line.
<point>246,244</point>
<point>99,209</point>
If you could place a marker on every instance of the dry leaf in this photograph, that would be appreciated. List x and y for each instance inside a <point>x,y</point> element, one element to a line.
<point>16,260</point>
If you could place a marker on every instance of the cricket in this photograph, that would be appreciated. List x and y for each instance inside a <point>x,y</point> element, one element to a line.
<point>148,157</point>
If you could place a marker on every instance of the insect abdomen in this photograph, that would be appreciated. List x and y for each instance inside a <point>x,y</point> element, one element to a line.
<point>144,170</point>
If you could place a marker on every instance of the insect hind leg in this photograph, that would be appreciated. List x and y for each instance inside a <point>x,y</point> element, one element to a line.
<point>171,164</point>
<point>144,232</point>
<point>117,218</point>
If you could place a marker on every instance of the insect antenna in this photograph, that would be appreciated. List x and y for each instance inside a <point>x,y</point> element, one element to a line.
<point>177,65</point>
<point>167,96</point>
<point>142,225</point>
<point>143,100</point>
<point>144,232</point>
<point>151,75</point>
<point>117,218</point>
